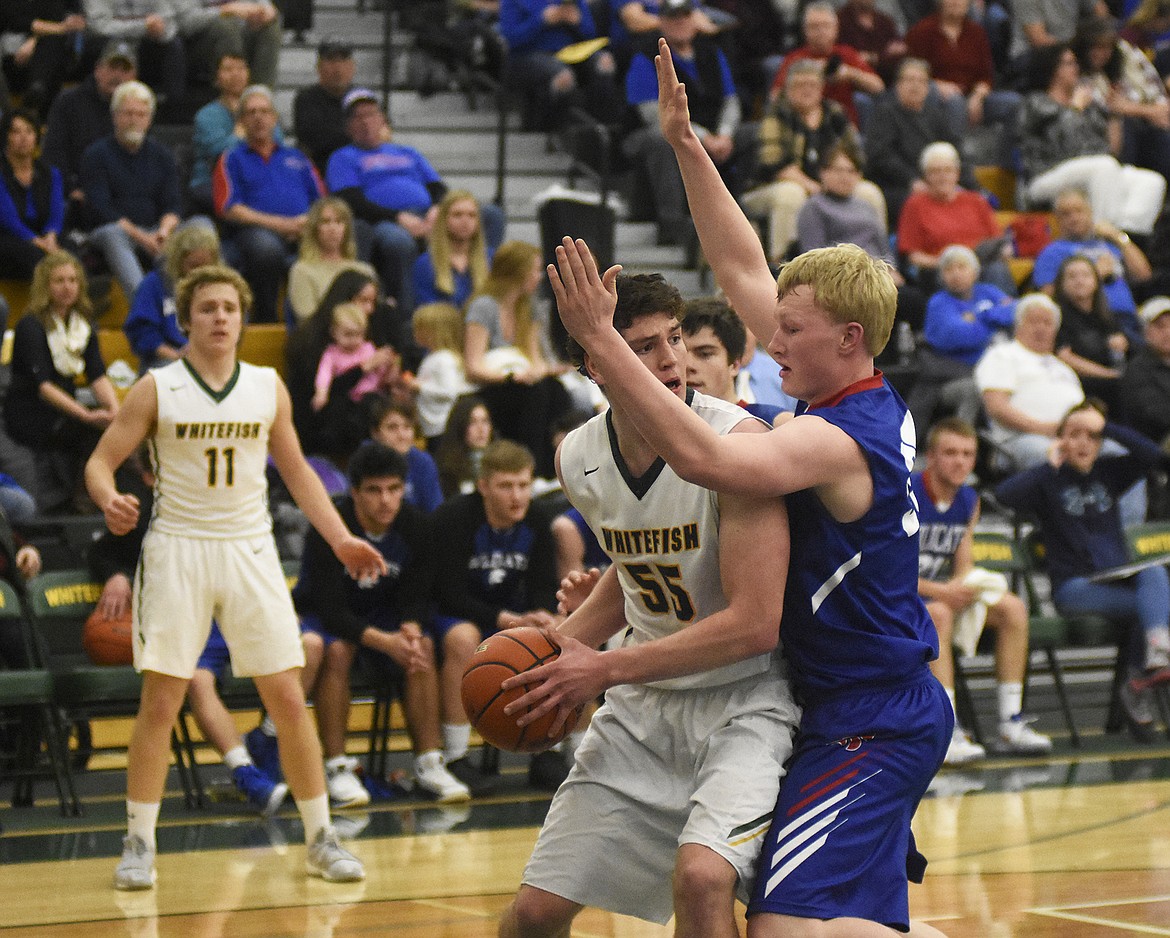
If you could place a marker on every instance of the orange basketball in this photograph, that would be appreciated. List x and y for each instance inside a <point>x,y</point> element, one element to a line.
<point>108,641</point>
<point>498,657</point>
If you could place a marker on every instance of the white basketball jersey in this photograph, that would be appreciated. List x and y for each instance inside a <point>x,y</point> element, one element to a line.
<point>661,533</point>
<point>210,452</point>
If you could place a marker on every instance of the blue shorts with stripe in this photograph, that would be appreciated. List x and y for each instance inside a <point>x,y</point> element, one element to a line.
<point>840,843</point>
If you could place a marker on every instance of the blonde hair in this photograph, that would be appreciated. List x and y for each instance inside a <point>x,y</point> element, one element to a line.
<point>510,268</point>
<point>442,325</point>
<point>850,286</point>
<point>349,314</point>
<point>204,276</point>
<point>439,245</point>
<point>40,303</point>
<point>188,240</point>
<point>310,247</point>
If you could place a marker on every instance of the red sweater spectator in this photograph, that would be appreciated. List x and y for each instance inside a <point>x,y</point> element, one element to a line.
<point>873,34</point>
<point>964,60</point>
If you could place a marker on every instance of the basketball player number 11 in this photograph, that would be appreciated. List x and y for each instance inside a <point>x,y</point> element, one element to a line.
<point>229,456</point>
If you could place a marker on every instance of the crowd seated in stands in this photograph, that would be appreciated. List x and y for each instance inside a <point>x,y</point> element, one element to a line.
<point>460,448</point>
<point>51,38</point>
<point>1091,340</point>
<point>216,127</point>
<point>441,379</point>
<point>152,31</point>
<point>319,110</point>
<point>1145,384</point>
<point>249,29</point>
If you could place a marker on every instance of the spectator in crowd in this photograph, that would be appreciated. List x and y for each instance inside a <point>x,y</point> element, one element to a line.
<point>1145,30</point>
<point>1066,141</point>
<point>217,127</point>
<point>942,213</point>
<point>15,502</point>
<point>715,116</point>
<point>839,211</point>
<point>503,353</point>
<point>1131,89</point>
<point>80,116</point>
<point>635,25</point>
<point>904,124</point>
<point>212,29</point>
<point>152,30</point>
<point>551,58</point>
<point>1043,24</point>
<point>441,380</point>
<point>131,185</point>
<point>762,30</point>
<point>52,33</point>
<point>394,193</point>
<point>1026,389</point>
<point>848,78</point>
<point>318,112</point>
<point>1145,384</point>
<point>59,399</point>
<point>497,571</point>
<point>388,617</point>
<point>264,190</point>
<point>32,198</point>
<point>455,263</point>
<point>327,248</point>
<point>1091,341</point>
<point>957,49</point>
<point>307,343</point>
<point>961,320</point>
<point>961,598</point>
<point>18,562</point>
<point>1120,262</point>
<point>1075,498</point>
<point>874,34</point>
<point>716,340</point>
<point>797,130</point>
<point>577,546</point>
<point>395,424</point>
<point>460,450</point>
<point>151,325</point>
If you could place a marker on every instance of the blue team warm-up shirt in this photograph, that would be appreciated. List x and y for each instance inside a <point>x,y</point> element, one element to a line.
<point>853,620</point>
<point>940,531</point>
<point>391,176</point>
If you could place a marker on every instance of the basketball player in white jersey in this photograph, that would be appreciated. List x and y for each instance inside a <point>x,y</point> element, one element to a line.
<point>676,778</point>
<point>211,422</point>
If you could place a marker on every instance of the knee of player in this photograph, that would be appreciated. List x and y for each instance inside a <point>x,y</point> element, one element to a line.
<point>1011,613</point>
<point>461,641</point>
<point>943,618</point>
<point>702,877</point>
<point>536,914</point>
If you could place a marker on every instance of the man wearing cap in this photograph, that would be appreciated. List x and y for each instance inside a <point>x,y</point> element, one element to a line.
<point>715,116</point>
<point>394,193</point>
<point>81,115</point>
<point>1119,261</point>
<point>152,29</point>
<point>264,189</point>
<point>318,113</point>
<point>1145,385</point>
<point>250,29</point>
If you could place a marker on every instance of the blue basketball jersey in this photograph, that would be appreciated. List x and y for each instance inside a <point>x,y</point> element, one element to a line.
<point>940,531</point>
<point>853,620</point>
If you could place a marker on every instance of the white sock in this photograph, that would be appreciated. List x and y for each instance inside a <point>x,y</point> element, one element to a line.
<point>1011,699</point>
<point>456,740</point>
<point>235,757</point>
<point>337,762</point>
<point>267,727</point>
<point>314,815</point>
<point>1157,647</point>
<point>141,819</point>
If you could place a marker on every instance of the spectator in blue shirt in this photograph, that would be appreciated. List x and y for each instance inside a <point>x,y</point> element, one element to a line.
<point>455,263</point>
<point>394,193</point>
<point>32,197</point>
<point>961,320</point>
<point>264,189</point>
<point>131,186</point>
<point>393,424</point>
<point>151,325</point>
<point>535,32</point>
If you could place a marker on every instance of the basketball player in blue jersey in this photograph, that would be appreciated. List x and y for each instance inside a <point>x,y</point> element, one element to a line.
<point>677,774</point>
<point>212,421</point>
<point>962,598</point>
<point>876,722</point>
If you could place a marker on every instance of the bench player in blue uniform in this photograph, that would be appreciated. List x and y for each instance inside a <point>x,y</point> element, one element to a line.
<point>858,639</point>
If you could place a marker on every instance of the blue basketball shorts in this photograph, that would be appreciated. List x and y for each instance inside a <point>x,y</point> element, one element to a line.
<point>840,844</point>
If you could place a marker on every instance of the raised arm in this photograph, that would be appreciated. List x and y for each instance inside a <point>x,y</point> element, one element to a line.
<point>730,243</point>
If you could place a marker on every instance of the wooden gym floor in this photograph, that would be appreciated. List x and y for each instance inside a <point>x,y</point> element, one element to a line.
<point>1073,846</point>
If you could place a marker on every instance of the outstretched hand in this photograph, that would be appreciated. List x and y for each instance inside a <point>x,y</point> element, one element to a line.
<point>585,298</point>
<point>362,560</point>
<point>566,684</point>
<point>674,115</point>
<point>575,589</point>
